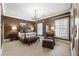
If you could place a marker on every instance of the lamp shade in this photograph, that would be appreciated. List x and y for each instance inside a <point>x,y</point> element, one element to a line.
<point>52,28</point>
<point>14,28</point>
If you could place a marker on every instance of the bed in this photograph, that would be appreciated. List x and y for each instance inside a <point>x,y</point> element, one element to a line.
<point>29,37</point>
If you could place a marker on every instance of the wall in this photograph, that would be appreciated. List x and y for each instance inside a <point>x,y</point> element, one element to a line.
<point>10,21</point>
<point>49,22</point>
<point>74,25</point>
<point>0,29</point>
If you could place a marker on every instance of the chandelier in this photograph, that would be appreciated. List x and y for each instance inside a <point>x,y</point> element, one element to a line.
<point>35,17</point>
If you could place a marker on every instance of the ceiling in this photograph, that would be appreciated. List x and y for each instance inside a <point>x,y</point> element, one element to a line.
<point>26,11</point>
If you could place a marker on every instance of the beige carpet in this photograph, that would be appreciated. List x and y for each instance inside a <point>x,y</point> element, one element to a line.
<point>17,48</point>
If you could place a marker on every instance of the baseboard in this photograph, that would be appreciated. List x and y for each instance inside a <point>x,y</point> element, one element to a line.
<point>40,35</point>
<point>62,38</point>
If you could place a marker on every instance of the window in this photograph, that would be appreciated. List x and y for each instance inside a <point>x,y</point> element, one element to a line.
<point>62,28</point>
<point>40,29</point>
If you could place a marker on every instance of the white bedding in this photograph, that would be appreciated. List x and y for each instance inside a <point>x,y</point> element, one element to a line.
<point>30,34</point>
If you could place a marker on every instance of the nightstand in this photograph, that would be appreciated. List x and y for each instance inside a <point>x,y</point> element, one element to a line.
<point>13,36</point>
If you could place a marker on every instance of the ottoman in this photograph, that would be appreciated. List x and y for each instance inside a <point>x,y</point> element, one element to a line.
<point>48,43</point>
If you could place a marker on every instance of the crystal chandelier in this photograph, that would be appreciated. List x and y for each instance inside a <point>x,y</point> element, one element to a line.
<point>35,18</point>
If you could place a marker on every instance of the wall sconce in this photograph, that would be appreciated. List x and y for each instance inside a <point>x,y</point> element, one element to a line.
<point>32,28</point>
<point>52,28</point>
<point>14,28</point>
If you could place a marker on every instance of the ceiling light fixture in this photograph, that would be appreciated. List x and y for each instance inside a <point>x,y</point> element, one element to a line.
<point>35,18</point>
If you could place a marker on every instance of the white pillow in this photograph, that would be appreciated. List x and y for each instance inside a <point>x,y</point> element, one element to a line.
<point>21,35</point>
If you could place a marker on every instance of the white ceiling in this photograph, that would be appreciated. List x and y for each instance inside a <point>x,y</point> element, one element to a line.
<point>27,10</point>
